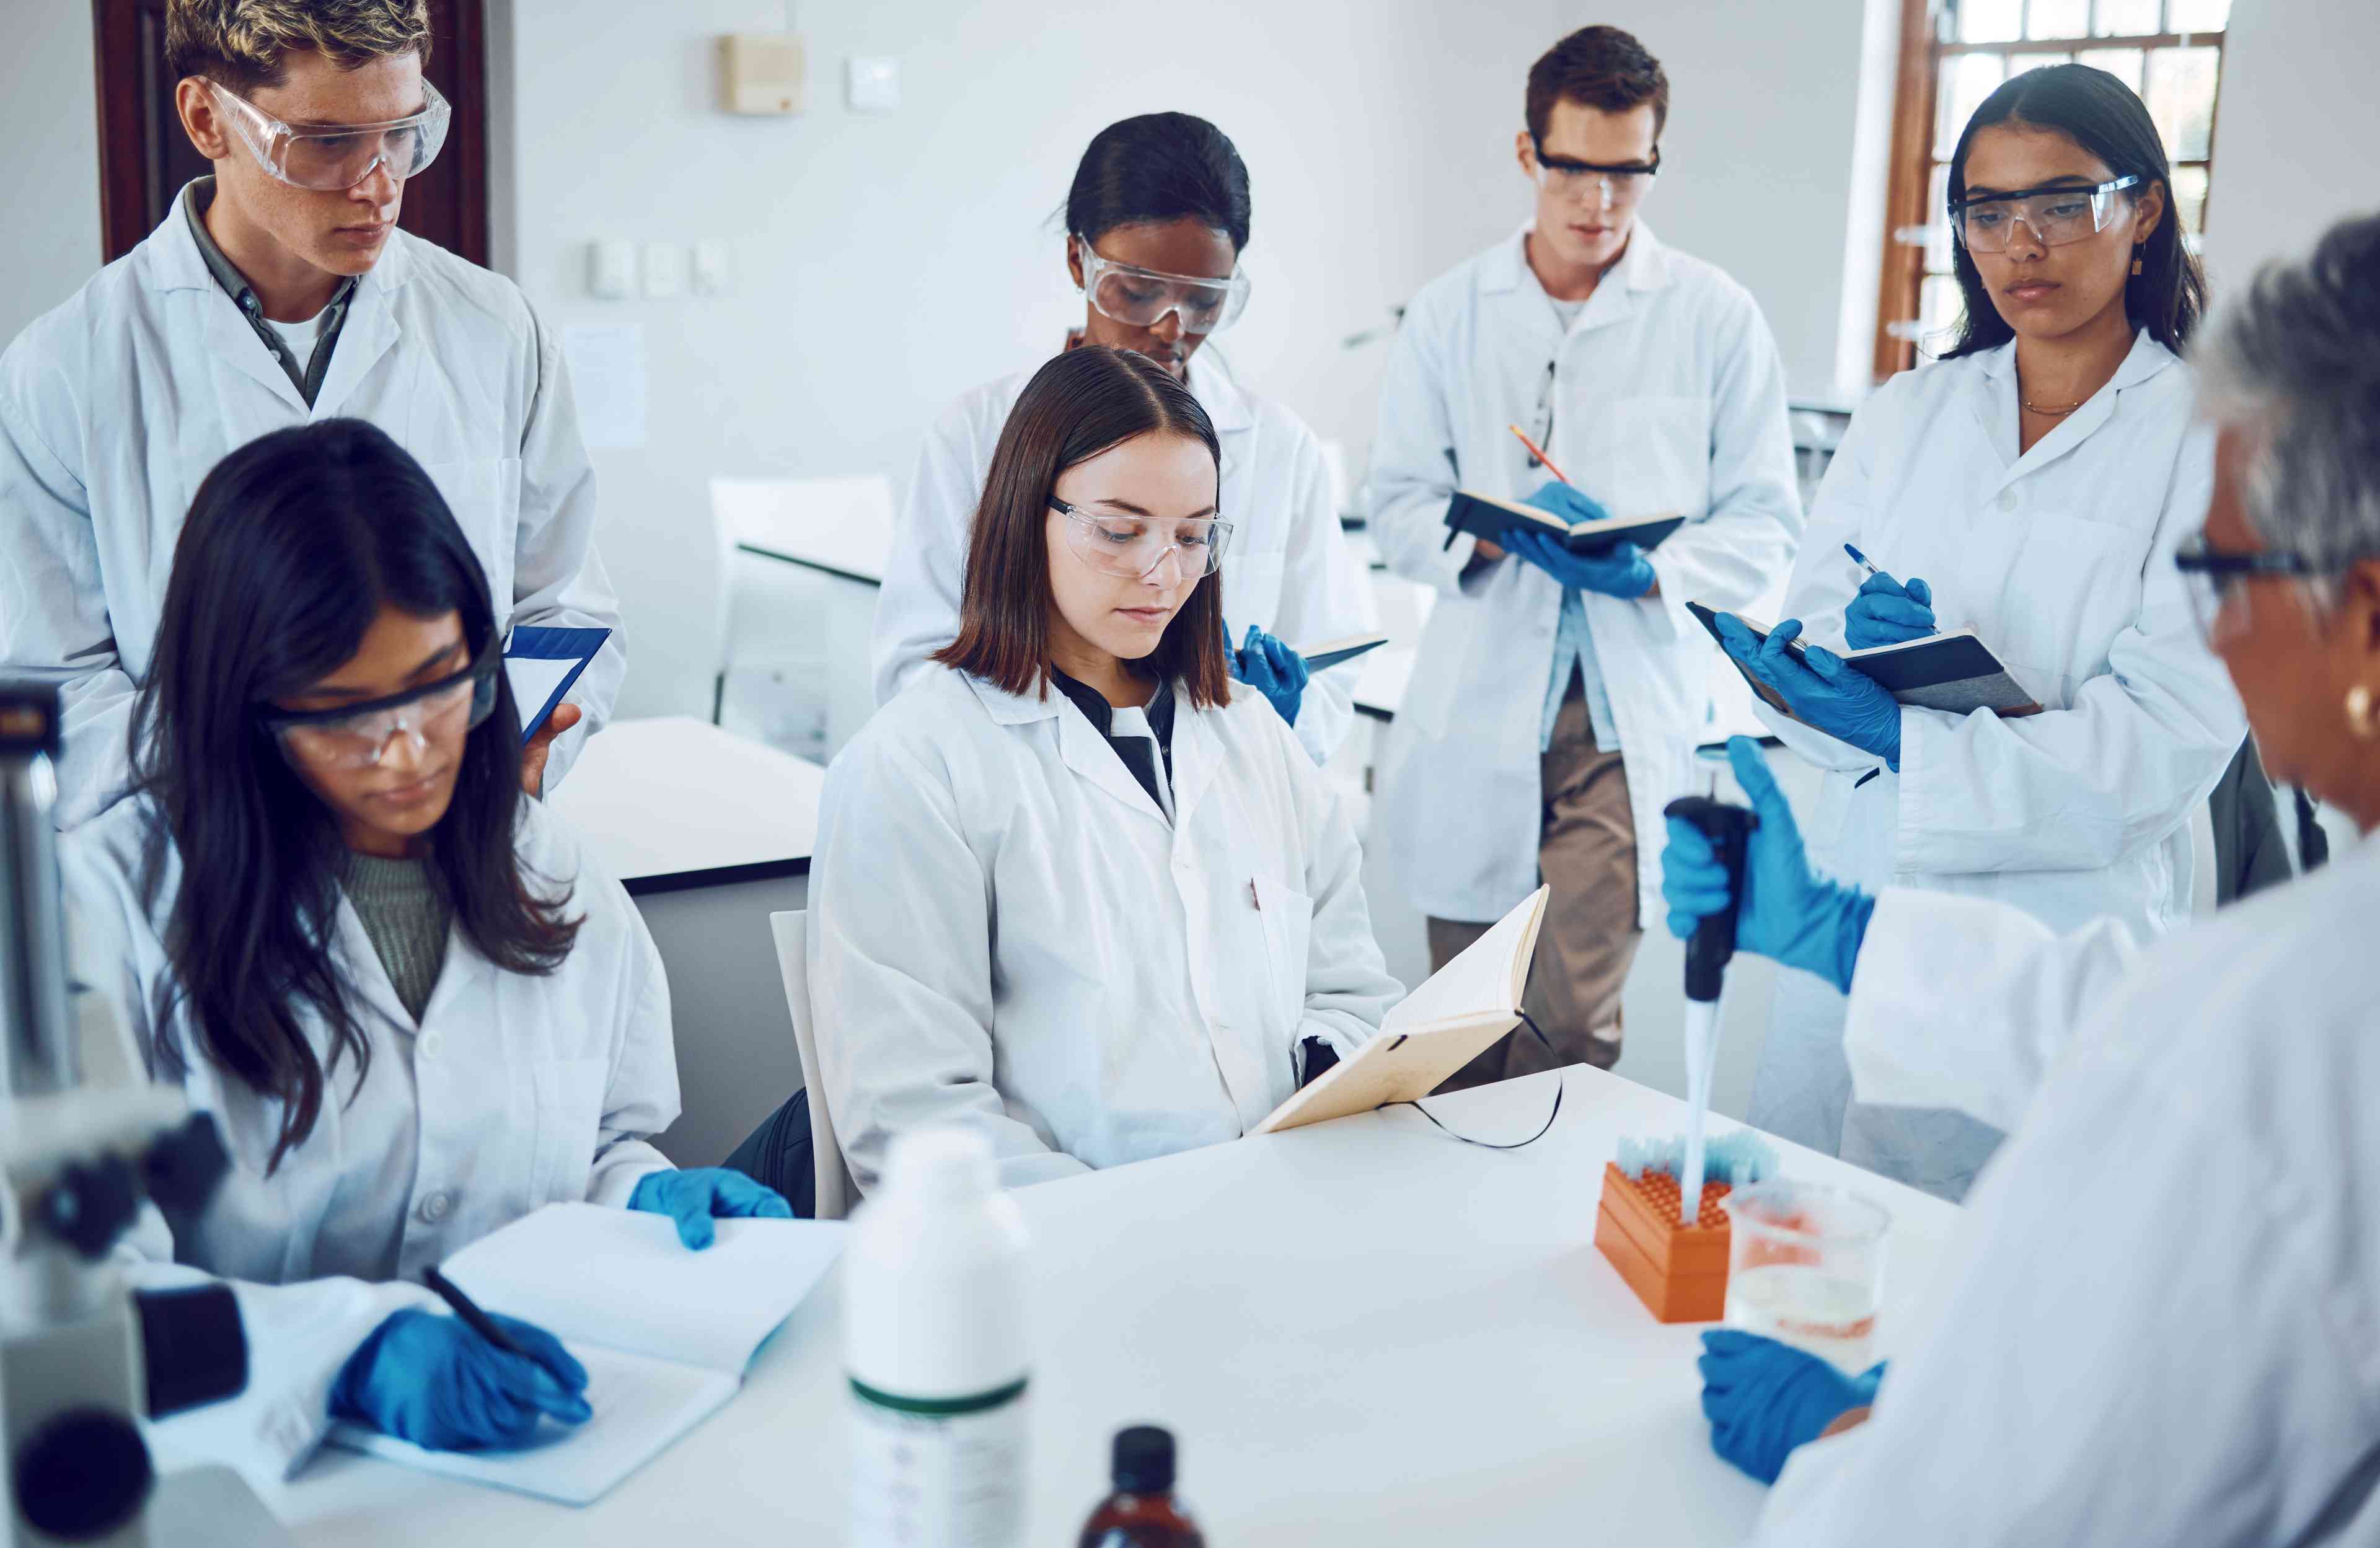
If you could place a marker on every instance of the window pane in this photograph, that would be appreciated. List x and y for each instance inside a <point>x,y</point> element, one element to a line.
<point>1938,308</point>
<point>2181,99</point>
<point>2196,16</point>
<point>2124,63</point>
<point>2043,61</point>
<point>1967,79</point>
<point>2190,194</point>
<point>1990,21</point>
<point>2059,19</point>
<point>1938,224</point>
<point>2128,18</point>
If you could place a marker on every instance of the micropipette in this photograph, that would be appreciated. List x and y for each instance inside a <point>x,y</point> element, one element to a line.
<point>1707,952</point>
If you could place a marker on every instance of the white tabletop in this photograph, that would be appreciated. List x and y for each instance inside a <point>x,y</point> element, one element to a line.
<point>1382,687</point>
<point>676,802</point>
<point>1362,1332</point>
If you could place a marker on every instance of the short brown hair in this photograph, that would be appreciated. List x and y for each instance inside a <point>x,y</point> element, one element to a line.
<point>1600,67</point>
<point>1081,404</point>
<point>242,44</point>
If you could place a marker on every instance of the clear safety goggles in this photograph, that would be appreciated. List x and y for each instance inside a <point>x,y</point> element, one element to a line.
<point>356,735</point>
<point>1141,297</point>
<point>1607,185</point>
<point>2054,216</point>
<point>1133,547</point>
<point>339,156</point>
<point>2218,580</point>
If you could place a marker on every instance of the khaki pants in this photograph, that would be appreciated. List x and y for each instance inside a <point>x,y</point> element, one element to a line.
<point>1587,851</point>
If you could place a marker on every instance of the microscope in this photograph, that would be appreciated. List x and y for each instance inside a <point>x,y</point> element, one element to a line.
<point>86,1141</point>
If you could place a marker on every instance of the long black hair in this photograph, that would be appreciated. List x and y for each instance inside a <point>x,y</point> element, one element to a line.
<point>294,544</point>
<point>1159,168</point>
<point>2107,118</point>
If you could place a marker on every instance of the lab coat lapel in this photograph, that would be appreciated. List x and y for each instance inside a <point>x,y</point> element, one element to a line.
<point>363,973</point>
<point>1197,756</point>
<point>1227,409</point>
<point>1088,755</point>
<point>231,339</point>
<point>2146,359</point>
<point>371,330</point>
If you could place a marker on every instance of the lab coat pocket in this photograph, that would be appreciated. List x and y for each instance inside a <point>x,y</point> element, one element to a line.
<point>1286,919</point>
<point>570,1094</point>
<point>1653,455</point>
<point>484,493</point>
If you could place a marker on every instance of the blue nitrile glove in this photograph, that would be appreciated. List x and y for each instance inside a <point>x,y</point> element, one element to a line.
<point>1620,573</point>
<point>1273,670</point>
<point>1822,689</point>
<point>1886,612</point>
<point>1763,1399</point>
<point>426,1377</point>
<point>699,1195</point>
<point>1790,913</point>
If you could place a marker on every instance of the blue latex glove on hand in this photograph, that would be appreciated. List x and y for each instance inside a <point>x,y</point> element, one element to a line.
<point>1823,690</point>
<point>1763,1399</point>
<point>696,1197</point>
<point>1620,573</point>
<point>1886,612</point>
<point>428,1378</point>
<point>1789,914</point>
<point>1273,670</point>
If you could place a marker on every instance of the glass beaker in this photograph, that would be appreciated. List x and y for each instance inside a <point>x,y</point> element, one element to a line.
<point>1805,1266</point>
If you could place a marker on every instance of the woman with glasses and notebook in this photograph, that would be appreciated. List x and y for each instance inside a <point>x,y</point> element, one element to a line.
<point>1156,222</point>
<point>2032,485</point>
<point>1071,889</point>
<point>330,915</point>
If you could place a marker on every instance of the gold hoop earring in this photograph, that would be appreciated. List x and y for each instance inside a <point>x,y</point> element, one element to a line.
<point>2360,717</point>
<point>2137,249</point>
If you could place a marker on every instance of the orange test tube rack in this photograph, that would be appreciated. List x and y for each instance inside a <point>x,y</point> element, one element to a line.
<point>1678,1271</point>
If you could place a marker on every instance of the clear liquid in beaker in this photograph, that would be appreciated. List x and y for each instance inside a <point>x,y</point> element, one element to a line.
<point>1802,1305</point>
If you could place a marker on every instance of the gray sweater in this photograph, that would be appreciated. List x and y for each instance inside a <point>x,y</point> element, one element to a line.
<point>406,917</point>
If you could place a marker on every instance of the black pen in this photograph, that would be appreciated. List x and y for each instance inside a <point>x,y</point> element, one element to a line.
<point>480,1322</point>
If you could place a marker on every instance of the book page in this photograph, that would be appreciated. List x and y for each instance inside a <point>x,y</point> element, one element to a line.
<point>1486,980</point>
<point>620,1279</point>
<point>534,679</point>
<point>641,1405</point>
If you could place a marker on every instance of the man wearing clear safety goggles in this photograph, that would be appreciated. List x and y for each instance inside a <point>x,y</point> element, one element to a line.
<point>277,291</point>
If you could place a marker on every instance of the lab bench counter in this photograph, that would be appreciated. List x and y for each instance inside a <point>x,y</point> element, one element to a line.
<point>1362,1332</point>
<point>710,834</point>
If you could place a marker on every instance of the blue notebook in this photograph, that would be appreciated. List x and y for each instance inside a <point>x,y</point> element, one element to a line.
<point>541,664</point>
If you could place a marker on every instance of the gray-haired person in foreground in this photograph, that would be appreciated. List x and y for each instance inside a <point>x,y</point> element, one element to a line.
<point>2160,1319</point>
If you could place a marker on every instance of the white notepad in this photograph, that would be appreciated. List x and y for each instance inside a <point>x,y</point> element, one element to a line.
<point>664,1333</point>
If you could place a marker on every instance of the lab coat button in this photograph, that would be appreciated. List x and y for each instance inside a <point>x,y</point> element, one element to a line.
<point>436,1207</point>
<point>426,1047</point>
<point>2008,502</point>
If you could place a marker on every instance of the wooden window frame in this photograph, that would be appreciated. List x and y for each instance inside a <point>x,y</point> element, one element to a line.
<point>1909,188</point>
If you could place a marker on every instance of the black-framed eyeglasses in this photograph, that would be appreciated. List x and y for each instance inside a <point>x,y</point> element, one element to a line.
<point>2216,575</point>
<point>355,734</point>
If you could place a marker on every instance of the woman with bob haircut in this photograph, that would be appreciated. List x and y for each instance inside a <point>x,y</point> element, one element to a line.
<point>416,1008</point>
<point>1070,890</point>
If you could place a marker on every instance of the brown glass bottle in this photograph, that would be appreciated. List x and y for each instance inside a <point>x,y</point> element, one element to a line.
<point>1142,1513</point>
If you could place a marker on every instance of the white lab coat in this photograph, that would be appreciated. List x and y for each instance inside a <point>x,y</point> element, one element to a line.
<point>2062,560</point>
<point>513,1092</point>
<point>1289,570</point>
<point>2159,1321</point>
<point>1006,933</point>
<point>1669,395</point>
<point>116,406</point>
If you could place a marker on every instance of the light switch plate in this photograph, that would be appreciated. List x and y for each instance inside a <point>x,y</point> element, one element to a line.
<point>665,275</point>
<point>872,85</point>
<point>611,270</point>
<point>714,269</point>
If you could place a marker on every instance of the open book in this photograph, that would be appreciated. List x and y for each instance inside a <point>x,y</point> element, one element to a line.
<point>664,1333</point>
<point>541,664</point>
<point>1483,515</point>
<point>1435,1031</point>
<point>1954,671</point>
<point>1330,653</point>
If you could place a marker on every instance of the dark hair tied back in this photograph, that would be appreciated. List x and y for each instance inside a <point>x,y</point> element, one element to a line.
<point>1156,168</point>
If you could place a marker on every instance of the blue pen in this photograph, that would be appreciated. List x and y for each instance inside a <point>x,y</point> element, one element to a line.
<point>1862,558</point>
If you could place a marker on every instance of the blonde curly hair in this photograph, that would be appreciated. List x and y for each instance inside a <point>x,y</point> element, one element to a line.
<point>240,44</point>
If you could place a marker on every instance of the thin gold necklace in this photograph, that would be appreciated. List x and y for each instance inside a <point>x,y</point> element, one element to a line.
<point>2055,410</point>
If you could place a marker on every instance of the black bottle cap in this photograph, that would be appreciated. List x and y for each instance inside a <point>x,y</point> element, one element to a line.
<point>1144,1461</point>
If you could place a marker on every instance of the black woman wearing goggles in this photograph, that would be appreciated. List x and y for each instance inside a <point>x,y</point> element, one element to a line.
<point>2038,479</point>
<point>1156,220</point>
<point>278,290</point>
<point>330,915</point>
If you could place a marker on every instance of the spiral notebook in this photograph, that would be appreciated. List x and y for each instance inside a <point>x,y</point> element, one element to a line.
<point>664,1332</point>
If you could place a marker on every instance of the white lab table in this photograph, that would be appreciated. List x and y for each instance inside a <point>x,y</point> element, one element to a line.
<point>1362,1332</point>
<point>711,833</point>
<point>852,558</point>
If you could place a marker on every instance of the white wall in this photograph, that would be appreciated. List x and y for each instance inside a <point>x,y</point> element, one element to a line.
<point>49,175</point>
<point>2297,131</point>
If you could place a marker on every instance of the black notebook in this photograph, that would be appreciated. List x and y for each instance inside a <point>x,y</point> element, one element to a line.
<point>1956,672</point>
<point>1483,515</point>
<point>1330,653</point>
